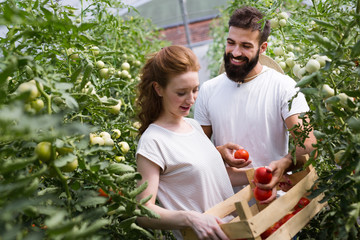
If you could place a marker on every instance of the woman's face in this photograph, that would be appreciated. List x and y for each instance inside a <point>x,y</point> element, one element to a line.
<point>180,94</point>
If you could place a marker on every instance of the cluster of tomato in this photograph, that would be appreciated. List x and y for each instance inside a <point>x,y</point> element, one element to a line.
<point>303,202</point>
<point>262,175</point>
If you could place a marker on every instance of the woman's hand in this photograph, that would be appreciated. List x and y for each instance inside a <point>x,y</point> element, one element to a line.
<point>206,226</point>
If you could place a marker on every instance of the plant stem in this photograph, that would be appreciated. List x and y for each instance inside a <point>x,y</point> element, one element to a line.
<point>316,11</point>
<point>63,181</point>
<point>47,97</point>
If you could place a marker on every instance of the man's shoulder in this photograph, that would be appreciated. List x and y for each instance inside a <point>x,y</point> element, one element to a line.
<point>279,77</point>
<point>215,81</point>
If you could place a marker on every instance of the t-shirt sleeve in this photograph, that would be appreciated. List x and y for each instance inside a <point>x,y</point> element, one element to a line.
<point>201,113</point>
<point>293,102</point>
<point>148,147</point>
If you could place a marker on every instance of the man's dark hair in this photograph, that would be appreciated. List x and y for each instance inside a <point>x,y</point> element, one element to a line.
<point>250,18</point>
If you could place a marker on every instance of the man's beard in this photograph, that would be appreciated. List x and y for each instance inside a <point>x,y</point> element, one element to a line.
<point>239,73</point>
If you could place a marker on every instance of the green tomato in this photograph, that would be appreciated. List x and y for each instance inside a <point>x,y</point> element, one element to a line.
<point>75,56</point>
<point>274,23</point>
<point>124,147</point>
<point>119,158</point>
<point>290,62</point>
<point>282,65</point>
<point>278,51</point>
<point>71,166</point>
<point>105,135</point>
<point>283,15</point>
<point>95,50</point>
<point>97,141</point>
<point>116,133</point>
<point>137,125</point>
<point>327,91</point>
<point>312,66</point>
<point>338,156</point>
<point>37,104</point>
<point>125,66</point>
<point>28,87</point>
<point>108,142</point>
<point>43,151</point>
<point>105,73</point>
<point>125,74</point>
<point>282,22</point>
<point>116,108</point>
<point>100,64</point>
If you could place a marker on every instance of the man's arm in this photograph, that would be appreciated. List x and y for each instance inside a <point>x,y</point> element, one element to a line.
<point>207,130</point>
<point>285,164</point>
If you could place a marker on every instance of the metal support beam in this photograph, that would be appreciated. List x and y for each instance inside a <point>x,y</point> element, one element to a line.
<point>186,21</point>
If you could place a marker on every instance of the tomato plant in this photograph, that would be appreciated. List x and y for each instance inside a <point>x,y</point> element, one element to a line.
<point>241,154</point>
<point>263,175</point>
<point>318,45</point>
<point>56,107</point>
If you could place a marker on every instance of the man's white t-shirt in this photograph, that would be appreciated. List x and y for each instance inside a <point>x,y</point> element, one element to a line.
<point>193,175</point>
<point>252,114</point>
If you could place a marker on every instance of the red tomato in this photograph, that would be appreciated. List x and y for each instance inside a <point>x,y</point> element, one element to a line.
<point>262,194</point>
<point>102,193</point>
<point>286,218</point>
<point>268,232</point>
<point>241,154</point>
<point>263,175</point>
<point>303,202</point>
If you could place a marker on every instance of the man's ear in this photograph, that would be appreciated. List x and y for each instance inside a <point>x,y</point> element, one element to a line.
<point>263,47</point>
<point>158,89</point>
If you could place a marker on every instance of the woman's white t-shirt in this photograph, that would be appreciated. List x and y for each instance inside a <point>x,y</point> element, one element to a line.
<point>193,175</point>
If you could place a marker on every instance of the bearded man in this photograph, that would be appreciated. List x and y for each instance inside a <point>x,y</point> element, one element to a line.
<point>248,105</point>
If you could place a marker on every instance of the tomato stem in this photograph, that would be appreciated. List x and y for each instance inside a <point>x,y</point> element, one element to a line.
<point>47,97</point>
<point>63,181</point>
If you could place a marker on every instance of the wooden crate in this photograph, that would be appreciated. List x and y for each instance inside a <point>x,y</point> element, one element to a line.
<point>253,220</point>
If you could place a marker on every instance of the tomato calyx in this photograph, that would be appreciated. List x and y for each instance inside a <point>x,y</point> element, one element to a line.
<point>303,202</point>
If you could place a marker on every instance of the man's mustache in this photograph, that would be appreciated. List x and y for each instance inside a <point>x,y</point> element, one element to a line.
<point>239,57</point>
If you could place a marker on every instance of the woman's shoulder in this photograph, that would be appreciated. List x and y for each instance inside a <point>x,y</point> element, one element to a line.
<point>193,123</point>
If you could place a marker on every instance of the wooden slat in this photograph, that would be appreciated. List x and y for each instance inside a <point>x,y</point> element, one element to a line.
<point>276,210</point>
<point>228,206</point>
<point>300,220</point>
<point>243,210</point>
<point>281,206</point>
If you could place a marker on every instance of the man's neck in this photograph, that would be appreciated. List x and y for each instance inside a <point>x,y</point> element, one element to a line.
<point>255,72</point>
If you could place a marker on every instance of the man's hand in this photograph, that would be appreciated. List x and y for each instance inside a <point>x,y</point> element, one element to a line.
<point>278,169</point>
<point>227,153</point>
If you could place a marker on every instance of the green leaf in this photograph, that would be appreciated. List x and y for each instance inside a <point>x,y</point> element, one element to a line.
<point>142,230</point>
<point>119,168</point>
<point>76,74</point>
<point>355,51</point>
<point>139,189</point>
<point>56,219</point>
<point>353,215</point>
<point>354,124</point>
<point>309,91</point>
<point>306,80</point>
<point>324,24</point>
<point>148,212</point>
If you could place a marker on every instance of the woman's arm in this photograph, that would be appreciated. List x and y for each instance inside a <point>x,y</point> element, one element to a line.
<point>237,176</point>
<point>205,226</point>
